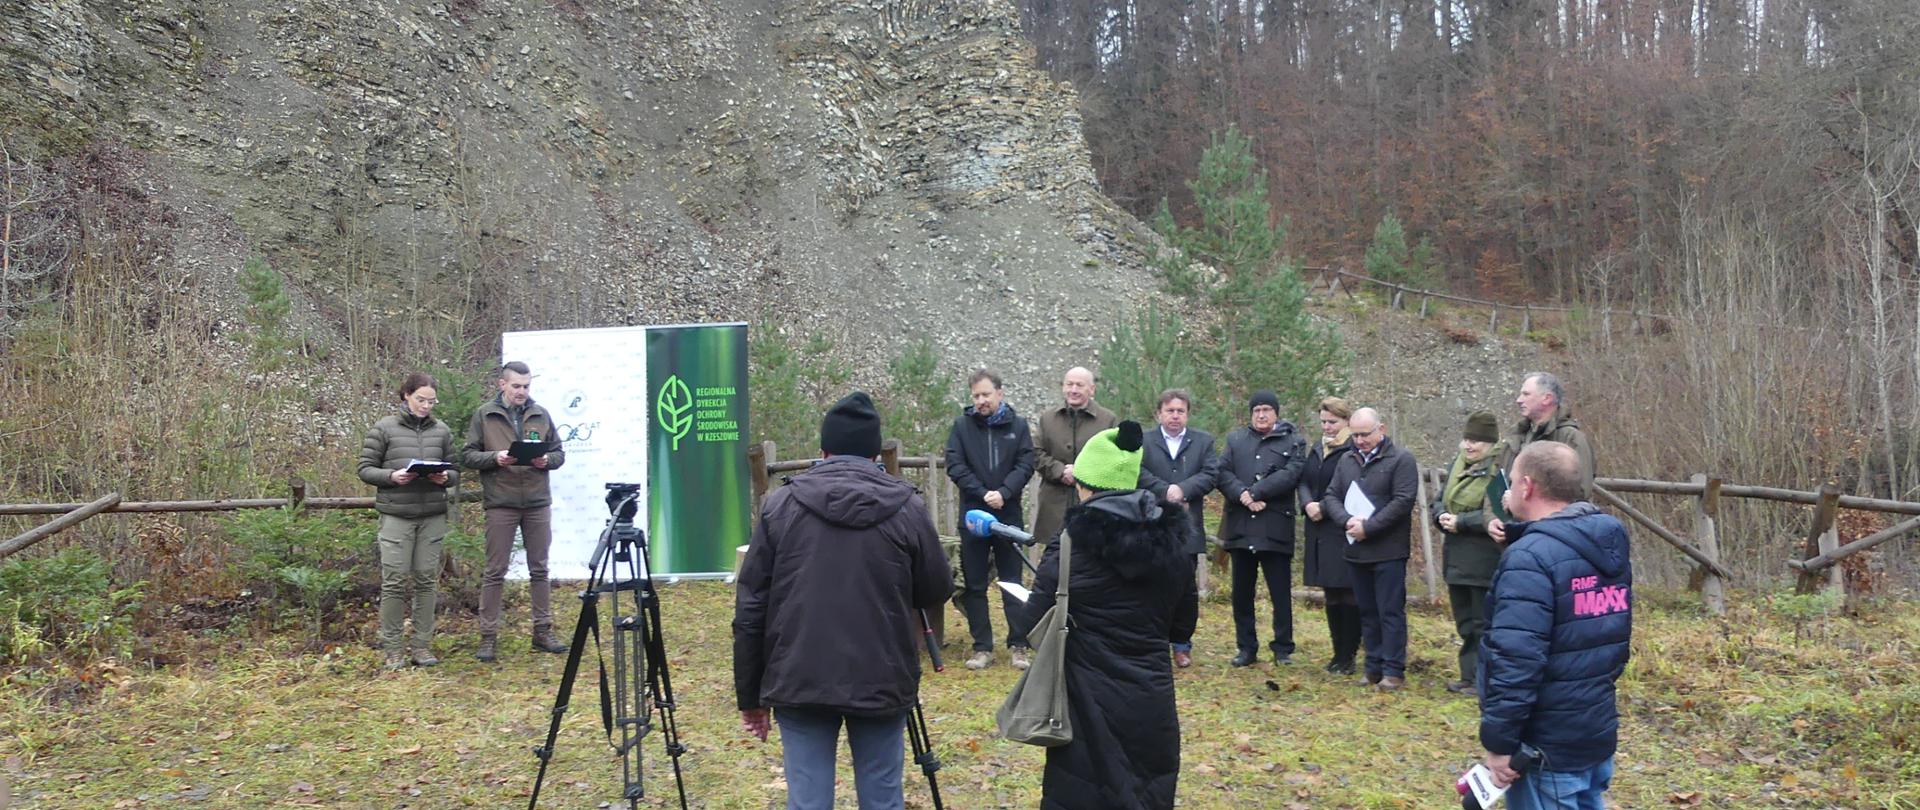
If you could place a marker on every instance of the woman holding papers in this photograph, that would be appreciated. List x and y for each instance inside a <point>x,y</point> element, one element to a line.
<point>1128,574</point>
<point>1461,511</point>
<point>407,458</point>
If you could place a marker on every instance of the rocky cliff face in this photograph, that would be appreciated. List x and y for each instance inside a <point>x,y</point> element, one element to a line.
<point>874,170</point>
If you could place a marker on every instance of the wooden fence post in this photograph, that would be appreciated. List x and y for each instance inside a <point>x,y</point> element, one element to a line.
<point>890,456</point>
<point>1424,301</point>
<point>1706,512</point>
<point>1493,319</point>
<point>1526,320</point>
<point>296,493</point>
<point>1396,299</point>
<point>1821,538</point>
<point>1426,536</point>
<point>758,457</point>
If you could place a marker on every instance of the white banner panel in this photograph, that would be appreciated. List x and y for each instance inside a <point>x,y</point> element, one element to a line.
<point>594,382</point>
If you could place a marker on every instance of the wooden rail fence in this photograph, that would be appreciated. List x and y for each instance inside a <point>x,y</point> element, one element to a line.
<point>1817,569</point>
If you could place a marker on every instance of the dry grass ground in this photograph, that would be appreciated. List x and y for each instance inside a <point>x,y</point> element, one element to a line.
<point>1740,712</point>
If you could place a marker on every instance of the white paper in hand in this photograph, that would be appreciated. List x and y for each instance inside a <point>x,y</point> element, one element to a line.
<point>1479,782</point>
<point>1357,505</point>
<point>1015,590</point>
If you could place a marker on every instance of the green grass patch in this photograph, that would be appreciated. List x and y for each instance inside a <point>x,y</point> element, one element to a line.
<point>1732,712</point>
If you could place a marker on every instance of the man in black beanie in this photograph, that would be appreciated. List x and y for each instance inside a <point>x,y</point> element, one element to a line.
<point>1258,473</point>
<point>842,560</point>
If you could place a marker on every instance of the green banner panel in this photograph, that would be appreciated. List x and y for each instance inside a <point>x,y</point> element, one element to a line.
<point>697,478</point>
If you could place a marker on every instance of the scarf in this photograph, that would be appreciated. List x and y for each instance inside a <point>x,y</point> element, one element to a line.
<point>1467,482</point>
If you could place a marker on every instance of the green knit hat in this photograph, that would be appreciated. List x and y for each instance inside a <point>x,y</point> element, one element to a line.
<point>1111,459</point>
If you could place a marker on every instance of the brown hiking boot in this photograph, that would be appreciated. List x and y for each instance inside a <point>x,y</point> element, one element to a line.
<point>395,662</point>
<point>423,657</point>
<point>544,641</point>
<point>485,653</point>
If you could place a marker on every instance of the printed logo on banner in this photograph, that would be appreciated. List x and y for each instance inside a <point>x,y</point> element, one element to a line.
<point>674,408</point>
<point>575,403</point>
<point>703,412</point>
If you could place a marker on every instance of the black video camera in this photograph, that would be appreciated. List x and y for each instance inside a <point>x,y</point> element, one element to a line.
<point>623,502</point>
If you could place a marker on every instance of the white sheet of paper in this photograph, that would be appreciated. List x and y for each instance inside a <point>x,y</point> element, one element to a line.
<point>1480,782</point>
<point>1015,590</point>
<point>1357,505</point>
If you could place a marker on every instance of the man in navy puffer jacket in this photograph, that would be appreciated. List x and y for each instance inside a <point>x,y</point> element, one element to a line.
<point>1558,637</point>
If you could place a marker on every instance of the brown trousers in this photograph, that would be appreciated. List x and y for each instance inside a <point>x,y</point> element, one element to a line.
<point>536,532</point>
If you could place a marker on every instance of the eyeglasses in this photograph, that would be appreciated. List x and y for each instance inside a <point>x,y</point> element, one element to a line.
<point>427,402</point>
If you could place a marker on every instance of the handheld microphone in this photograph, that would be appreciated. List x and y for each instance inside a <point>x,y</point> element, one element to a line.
<point>980,523</point>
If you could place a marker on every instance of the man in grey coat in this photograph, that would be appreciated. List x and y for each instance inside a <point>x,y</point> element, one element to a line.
<point>1258,473</point>
<point>1178,466</point>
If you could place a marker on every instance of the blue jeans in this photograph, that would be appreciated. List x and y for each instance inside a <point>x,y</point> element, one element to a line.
<point>1562,790</point>
<point>809,739</point>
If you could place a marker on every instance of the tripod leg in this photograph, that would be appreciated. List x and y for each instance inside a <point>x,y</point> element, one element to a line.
<point>589,623</point>
<point>923,754</point>
<point>660,682</point>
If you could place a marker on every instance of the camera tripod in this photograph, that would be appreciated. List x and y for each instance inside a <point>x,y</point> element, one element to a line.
<point>640,684</point>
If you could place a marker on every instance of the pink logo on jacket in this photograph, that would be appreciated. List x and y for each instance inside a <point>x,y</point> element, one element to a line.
<point>1591,600</point>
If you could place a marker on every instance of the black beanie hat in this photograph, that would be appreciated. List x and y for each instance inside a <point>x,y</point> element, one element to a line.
<point>851,427</point>
<point>1264,398</point>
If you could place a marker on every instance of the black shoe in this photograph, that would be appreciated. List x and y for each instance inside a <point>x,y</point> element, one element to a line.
<point>543,641</point>
<point>1283,660</point>
<point>1340,667</point>
<point>1244,658</point>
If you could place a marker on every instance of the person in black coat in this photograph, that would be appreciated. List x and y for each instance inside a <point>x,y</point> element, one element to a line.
<point>1178,466</point>
<point>827,613</point>
<point>1390,479</point>
<point>989,457</point>
<point>1129,576</point>
<point>1559,636</point>
<point>1259,472</point>
<point>1326,566</point>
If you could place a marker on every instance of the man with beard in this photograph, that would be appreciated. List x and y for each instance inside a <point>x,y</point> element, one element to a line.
<point>989,457</point>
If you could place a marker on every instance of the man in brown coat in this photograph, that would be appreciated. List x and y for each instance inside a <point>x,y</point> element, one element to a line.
<point>516,497</point>
<point>1058,435</point>
<point>1545,417</point>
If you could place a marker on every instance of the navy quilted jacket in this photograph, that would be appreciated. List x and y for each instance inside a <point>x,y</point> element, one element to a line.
<point>1558,637</point>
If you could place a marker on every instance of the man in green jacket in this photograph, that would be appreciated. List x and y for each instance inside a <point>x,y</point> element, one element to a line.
<point>516,498</point>
<point>1545,417</point>
<point>1058,435</point>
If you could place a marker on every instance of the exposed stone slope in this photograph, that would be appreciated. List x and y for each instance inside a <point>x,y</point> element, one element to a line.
<point>874,170</point>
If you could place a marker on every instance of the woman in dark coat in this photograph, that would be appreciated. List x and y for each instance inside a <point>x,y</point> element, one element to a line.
<point>1326,542</point>
<point>1129,574</point>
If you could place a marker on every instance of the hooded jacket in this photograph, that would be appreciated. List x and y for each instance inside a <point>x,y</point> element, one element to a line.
<point>826,606</point>
<point>1558,637</point>
<point>990,453</point>
<point>1129,574</point>
<point>394,441</point>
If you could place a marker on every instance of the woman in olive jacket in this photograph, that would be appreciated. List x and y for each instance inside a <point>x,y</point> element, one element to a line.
<point>1326,561</point>
<point>1461,511</point>
<point>413,515</point>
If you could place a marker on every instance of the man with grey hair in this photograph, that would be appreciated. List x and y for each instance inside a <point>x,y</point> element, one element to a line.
<point>1545,417</point>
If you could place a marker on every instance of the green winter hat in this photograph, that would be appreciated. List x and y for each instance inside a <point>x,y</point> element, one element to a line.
<point>1111,459</point>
